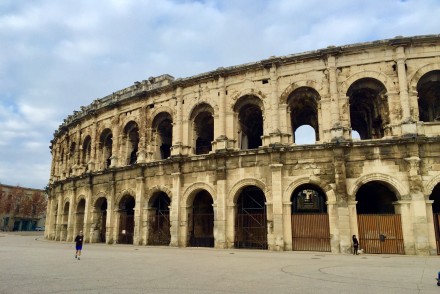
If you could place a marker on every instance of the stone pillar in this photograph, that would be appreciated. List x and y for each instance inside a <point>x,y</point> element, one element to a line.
<point>287,225</point>
<point>175,211</point>
<point>221,142</point>
<point>403,207</point>
<point>93,152</point>
<point>176,149</point>
<point>431,230</point>
<point>142,153</point>
<point>138,209</point>
<point>220,207</point>
<point>116,225</point>
<point>333,219</point>
<point>116,140</point>
<point>336,128</point>
<point>71,219</point>
<point>344,229</point>
<point>59,219</point>
<point>111,215</point>
<point>88,219</point>
<point>274,135</point>
<point>354,229</point>
<point>277,206</point>
<point>231,211</point>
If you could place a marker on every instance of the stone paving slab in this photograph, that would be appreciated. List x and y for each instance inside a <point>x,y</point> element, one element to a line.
<point>30,264</point>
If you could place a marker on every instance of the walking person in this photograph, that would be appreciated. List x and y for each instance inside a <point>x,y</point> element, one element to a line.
<point>355,245</point>
<point>79,243</point>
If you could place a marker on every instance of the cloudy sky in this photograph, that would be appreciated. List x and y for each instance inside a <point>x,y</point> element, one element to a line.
<point>56,56</point>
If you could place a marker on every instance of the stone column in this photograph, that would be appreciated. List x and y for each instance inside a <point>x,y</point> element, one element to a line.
<point>333,219</point>
<point>138,209</point>
<point>403,207</point>
<point>71,219</point>
<point>431,230</point>
<point>336,127</point>
<point>220,206</point>
<point>111,215</point>
<point>354,230</point>
<point>116,140</point>
<point>230,225</point>
<point>277,206</point>
<point>175,211</point>
<point>142,153</point>
<point>287,226</point>
<point>221,142</point>
<point>408,126</point>
<point>176,149</point>
<point>88,230</point>
<point>93,152</point>
<point>344,229</point>
<point>59,219</point>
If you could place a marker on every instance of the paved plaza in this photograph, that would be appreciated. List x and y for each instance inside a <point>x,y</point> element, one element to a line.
<point>30,264</point>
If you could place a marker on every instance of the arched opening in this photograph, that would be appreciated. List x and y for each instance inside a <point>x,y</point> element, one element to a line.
<point>159,220</point>
<point>106,142</point>
<point>250,122</point>
<point>380,229</point>
<point>100,220</point>
<point>201,221</point>
<point>428,89</point>
<point>203,128</point>
<point>251,219</point>
<point>80,211</point>
<point>65,221</point>
<point>303,108</point>
<point>369,112</point>
<point>305,134</point>
<point>162,135</point>
<point>310,222</point>
<point>126,219</point>
<point>86,152</point>
<point>131,133</point>
<point>435,195</point>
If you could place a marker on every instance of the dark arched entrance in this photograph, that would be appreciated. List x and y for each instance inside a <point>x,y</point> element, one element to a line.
<point>310,223</point>
<point>435,195</point>
<point>380,229</point>
<point>100,218</point>
<point>251,220</point>
<point>159,220</point>
<point>65,221</point>
<point>201,221</point>
<point>126,219</point>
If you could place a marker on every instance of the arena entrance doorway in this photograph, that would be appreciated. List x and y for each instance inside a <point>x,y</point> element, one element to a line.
<point>310,222</point>
<point>100,219</point>
<point>201,221</point>
<point>251,220</point>
<point>380,229</point>
<point>159,220</point>
<point>435,195</point>
<point>126,219</point>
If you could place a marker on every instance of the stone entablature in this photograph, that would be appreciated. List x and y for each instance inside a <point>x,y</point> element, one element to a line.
<point>223,131</point>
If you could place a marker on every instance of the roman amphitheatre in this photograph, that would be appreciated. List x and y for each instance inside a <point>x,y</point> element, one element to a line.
<point>214,160</point>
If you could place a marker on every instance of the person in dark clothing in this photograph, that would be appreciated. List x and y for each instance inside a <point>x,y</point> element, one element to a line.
<point>79,242</point>
<point>355,245</point>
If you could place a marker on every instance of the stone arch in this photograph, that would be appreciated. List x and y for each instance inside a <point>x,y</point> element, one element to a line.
<point>377,75</point>
<point>429,187</point>
<point>396,186</point>
<point>237,98</point>
<point>191,192</point>
<point>79,198</point>
<point>296,85</point>
<point>155,189</point>
<point>126,192</point>
<point>329,192</point>
<point>419,73</point>
<point>234,192</point>
<point>161,109</point>
<point>201,127</point>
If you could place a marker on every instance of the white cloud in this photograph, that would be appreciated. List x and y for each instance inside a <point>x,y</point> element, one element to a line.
<point>59,55</point>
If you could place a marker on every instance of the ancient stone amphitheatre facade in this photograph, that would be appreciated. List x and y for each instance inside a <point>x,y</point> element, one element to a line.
<point>213,161</point>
